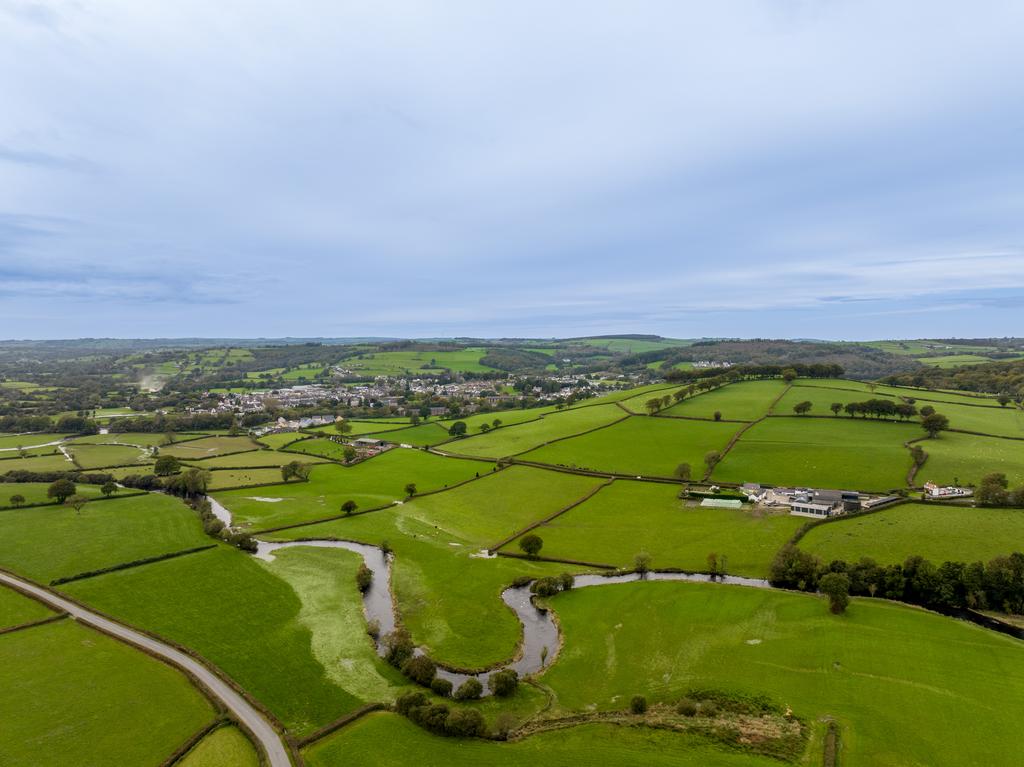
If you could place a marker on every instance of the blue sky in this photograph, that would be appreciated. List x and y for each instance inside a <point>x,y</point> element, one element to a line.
<point>845,169</point>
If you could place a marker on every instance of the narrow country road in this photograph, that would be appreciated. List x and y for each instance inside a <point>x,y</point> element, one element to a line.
<point>244,711</point>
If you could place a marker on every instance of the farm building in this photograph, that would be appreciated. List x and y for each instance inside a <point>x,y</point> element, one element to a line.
<point>935,491</point>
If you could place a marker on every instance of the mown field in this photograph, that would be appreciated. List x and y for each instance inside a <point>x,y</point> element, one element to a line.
<point>73,696</point>
<point>50,542</point>
<point>640,445</point>
<point>744,401</point>
<point>627,518</point>
<point>938,533</point>
<point>209,447</point>
<point>845,453</point>
<point>512,440</point>
<point>895,678</point>
<point>98,456</point>
<point>966,458</point>
<point>376,482</point>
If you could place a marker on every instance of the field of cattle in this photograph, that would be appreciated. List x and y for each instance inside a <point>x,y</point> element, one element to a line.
<point>771,675</point>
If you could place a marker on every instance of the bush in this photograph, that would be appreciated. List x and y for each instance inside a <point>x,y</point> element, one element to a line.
<point>709,709</point>
<point>466,723</point>
<point>686,707</point>
<point>471,689</point>
<point>373,628</point>
<point>521,581</point>
<point>638,705</point>
<point>399,647</point>
<point>364,578</point>
<point>420,669</point>
<point>433,717</point>
<point>545,587</point>
<point>440,686</point>
<point>504,683</point>
<point>565,581</point>
<point>212,526</point>
<point>407,701</point>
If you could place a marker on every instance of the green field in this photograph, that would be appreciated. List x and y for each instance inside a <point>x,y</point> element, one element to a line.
<point>98,456</point>
<point>8,441</point>
<point>389,740</point>
<point>526,436</point>
<point>50,542</point>
<point>640,446</point>
<point>16,609</point>
<point>320,448</point>
<point>252,623</point>
<point>895,678</point>
<point>413,362</point>
<point>375,482</point>
<point>52,462</point>
<point>251,459</point>
<point>841,453</point>
<point>224,747</point>
<point>966,458</point>
<point>1001,422</point>
<point>209,447</point>
<point>228,478</point>
<point>142,439</point>
<point>73,696</point>
<point>360,427</point>
<point>280,439</point>
<point>35,492</point>
<point>626,518</point>
<point>821,397</point>
<point>922,396</point>
<point>424,435</point>
<point>938,533</point>
<point>744,401</point>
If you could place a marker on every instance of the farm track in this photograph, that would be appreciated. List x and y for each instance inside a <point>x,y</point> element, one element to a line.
<point>247,715</point>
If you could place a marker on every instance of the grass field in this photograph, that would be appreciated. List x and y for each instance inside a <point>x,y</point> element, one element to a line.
<point>821,452</point>
<point>626,518</point>
<point>938,533</point>
<point>73,696</point>
<point>640,445</point>
<point>821,398</point>
<point>966,458</point>
<point>98,456</point>
<point>29,440</point>
<point>53,462</point>
<point>16,608</point>
<point>253,459</point>
<point>744,401</point>
<point>375,482</point>
<point>1001,422</point>
<point>35,492</point>
<point>526,436</point>
<point>227,478</point>
<point>280,439</point>
<point>894,677</point>
<point>235,612</point>
<point>45,543</point>
<point>147,439</point>
<point>361,427</point>
<point>319,447</point>
<point>923,396</point>
<point>389,740</point>
<point>400,363</point>
<point>424,435</point>
<point>209,447</point>
<point>224,747</point>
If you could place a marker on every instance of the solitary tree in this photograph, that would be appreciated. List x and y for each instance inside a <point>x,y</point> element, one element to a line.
<point>77,502</point>
<point>789,375</point>
<point>166,465</point>
<point>17,500</point>
<point>343,427</point>
<point>410,489</point>
<point>61,490</point>
<point>496,423</point>
<point>642,563</point>
<point>684,472</point>
<point>934,423</point>
<point>711,459</point>
<point>364,578</point>
<point>349,454</point>
<point>1003,399</point>
<point>801,408</point>
<point>926,411</point>
<point>718,415</point>
<point>836,407</point>
<point>349,506</point>
<point>531,544</point>
<point>108,489</point>
<point>457,429</point>
<point>836,586</point>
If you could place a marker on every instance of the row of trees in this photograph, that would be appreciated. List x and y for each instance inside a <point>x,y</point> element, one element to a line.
<point>996,585</point>
<point>994,490</point>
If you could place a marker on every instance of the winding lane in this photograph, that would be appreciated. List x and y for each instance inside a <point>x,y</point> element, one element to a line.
<point>245,712</point>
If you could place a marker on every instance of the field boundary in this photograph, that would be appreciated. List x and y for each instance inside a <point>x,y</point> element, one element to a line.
<point>997,406</point>
<point>32,624</point>
<point>181,751</point>
<point>337,724</point>
<point>130,565</point>
<point>112,497</point>
<point>729,446</point>
<point>533,525</point>
<point>576,562</point>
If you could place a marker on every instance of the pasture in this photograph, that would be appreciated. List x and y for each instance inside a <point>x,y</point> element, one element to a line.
<point>743,401</point>
<point>424,435</point>
<point>16,608</point>
<point>50,542</point>
<point>49,462</point>
<point>319,447</point>
<point>411,362</point>
<point>14,441</point>
<point>938,533</point>
<point>253,459</point>
<point>209,447</point>
<point>627,518</point>
<point>228,478</point>
<point>522,437</point>
<point>842,453</point>
<point>98,456</point>
<point>235,612</point>
<point>375,482</point>
<point>35,492</point>
<point>966,458</point>
<point>640,446</point>
<point>224,747</point>
<point>73,696</point>
<point>893,677</point>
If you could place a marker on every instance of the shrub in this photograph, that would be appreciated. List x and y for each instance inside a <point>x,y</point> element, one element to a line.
<point>466,723</point>
<point>364,578</point>
<point>471,689</point>
<point>504,683</point>
<point>565,581</point>
<point>17,500</point>
<point>709,709</point>
<point>504,723</point>
<point>420,669</point>
<point>686,707</point>
<point>399,647</point>
<point>521,581</point>
<point>440,686</point>
<point>212,526</point>
<point>531,544</point>
<point>433,717</point>
<point>638,704</point>
<point>373,628</point>
<point>836,586</point>
<point>545,587</point>
<point>407,701</point>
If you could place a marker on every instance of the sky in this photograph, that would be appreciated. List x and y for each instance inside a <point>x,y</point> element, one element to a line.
<point>840,169</point>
